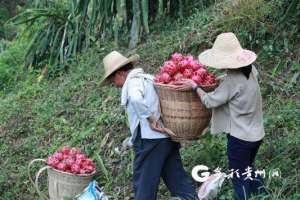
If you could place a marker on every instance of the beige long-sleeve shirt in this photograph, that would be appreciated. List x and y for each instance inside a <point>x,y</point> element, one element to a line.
<point>237,106</point>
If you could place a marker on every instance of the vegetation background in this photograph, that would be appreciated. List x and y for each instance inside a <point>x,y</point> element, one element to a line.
<point>51,62</point>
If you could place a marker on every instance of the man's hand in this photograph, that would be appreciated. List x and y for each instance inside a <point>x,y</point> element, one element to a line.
<point>154,124</point>
<point>185,84</point>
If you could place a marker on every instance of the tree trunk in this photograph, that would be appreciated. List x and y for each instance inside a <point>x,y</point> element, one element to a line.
<point>145,12</point>
<point>135,26</point>
<point>160,9</point>
<point>11,6</point>
<point>181,5</point>
<point>291,10</point>
<point>118,20</point>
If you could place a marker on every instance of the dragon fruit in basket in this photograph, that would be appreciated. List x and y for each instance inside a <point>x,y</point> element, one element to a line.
<point>184,67</point>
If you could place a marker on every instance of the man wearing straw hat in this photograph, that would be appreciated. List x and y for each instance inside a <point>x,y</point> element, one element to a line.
<point>155,154</point>
<point>236,109</point>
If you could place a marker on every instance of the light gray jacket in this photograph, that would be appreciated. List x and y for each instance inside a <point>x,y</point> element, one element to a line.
<point>237,106</point>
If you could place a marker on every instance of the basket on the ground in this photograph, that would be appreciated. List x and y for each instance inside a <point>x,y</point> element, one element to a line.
<point>61,185</point>
<point>182,111</point>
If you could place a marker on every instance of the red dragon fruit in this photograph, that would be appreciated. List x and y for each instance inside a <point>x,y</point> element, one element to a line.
<point>184,67</point>
<point>71,160</point>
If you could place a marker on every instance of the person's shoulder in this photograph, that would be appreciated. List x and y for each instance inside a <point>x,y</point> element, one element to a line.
<point>235,76</point>
<point>235,80</point>
<point>134,78</point>
<point>134,82</point>
<point>230,77</point>
<point>255,70</point>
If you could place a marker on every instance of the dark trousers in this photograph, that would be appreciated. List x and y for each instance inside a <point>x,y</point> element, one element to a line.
<point>241,155</point>
<point>155,158</point>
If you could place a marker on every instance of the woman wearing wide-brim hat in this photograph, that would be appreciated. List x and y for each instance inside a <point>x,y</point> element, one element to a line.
<point>236,109</point>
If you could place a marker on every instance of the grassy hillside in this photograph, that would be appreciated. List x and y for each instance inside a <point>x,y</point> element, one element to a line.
<point>36,118</point>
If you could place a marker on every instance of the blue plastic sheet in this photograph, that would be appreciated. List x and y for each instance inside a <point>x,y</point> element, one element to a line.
<point>92,192</point>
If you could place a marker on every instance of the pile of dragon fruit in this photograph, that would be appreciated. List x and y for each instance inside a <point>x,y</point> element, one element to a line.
<point>71,160</point>
<point>181,67</point>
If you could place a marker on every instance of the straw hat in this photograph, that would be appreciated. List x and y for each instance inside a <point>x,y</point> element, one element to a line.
<point>115,61</point>
<point>227,53</point>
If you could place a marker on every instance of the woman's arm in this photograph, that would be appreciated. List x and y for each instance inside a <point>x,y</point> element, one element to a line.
<point>221,95</point>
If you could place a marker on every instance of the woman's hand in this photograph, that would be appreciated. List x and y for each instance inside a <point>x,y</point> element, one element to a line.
<point>186,84</point>
<point>221,78</point>
<point>155,125</point>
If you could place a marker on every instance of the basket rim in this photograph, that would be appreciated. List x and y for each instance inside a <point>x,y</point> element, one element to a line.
<point>174,87</point>
<point>77,175</point>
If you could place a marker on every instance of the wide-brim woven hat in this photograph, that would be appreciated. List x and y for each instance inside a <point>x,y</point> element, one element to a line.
<point>115,61</point>
<point>227,53</point>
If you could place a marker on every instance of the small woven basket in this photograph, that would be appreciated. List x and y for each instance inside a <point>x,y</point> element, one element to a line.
<point>182,111</point>
<point>61,185</point>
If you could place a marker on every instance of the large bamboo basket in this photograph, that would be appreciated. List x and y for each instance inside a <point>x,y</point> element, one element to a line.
<point>182,111</point>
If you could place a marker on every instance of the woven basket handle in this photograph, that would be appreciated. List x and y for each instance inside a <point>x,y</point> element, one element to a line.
<point>169,132</point>
<point>35,183</point>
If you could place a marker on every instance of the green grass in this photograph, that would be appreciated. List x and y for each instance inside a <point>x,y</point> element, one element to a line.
<point>37,118</point>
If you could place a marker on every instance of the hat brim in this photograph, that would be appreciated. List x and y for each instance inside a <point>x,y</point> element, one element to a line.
<point>132,59</point>
<point>234,61</point>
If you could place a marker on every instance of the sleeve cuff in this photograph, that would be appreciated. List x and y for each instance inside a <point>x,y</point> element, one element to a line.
<point>203,99</point>
<point>145,115</point>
